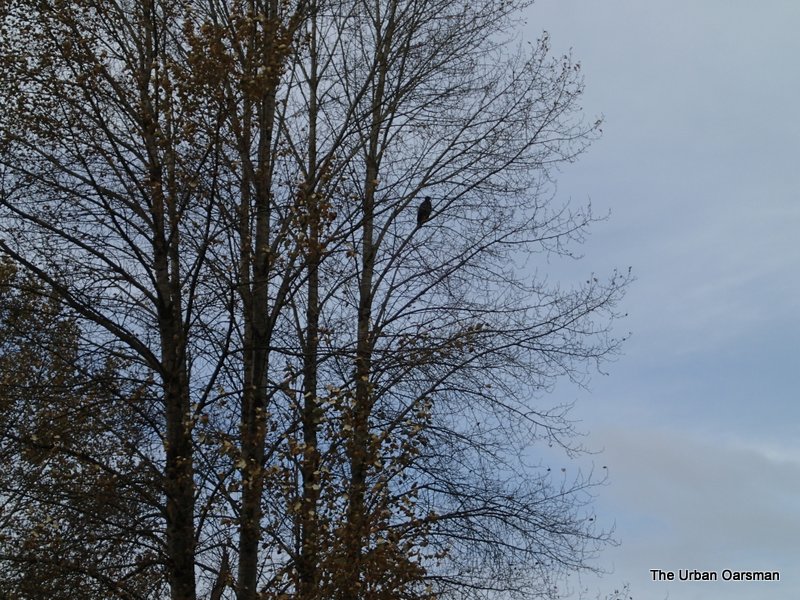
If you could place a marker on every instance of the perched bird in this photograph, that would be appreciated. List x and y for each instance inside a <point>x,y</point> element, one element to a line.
<point>424,211</point>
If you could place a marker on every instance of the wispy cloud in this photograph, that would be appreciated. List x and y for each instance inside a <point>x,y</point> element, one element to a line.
<point>698,164</point>
<point>688,502</point>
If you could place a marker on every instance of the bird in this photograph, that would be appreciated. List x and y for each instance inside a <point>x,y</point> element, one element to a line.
<point>424,211</point>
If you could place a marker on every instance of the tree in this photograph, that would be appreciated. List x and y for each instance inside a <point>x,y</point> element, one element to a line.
<point>330,401</point>
<point>421,319</point>
<point>75,522</point>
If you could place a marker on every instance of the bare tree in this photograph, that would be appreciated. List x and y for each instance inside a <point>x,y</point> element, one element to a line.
<point>435,346</point>
<point>108,157</point>
<point>335,397</point>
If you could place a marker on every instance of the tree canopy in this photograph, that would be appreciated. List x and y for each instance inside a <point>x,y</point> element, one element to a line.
<point>247,371</point>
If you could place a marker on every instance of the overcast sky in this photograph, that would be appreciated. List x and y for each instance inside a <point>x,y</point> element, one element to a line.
<point>699,164</point>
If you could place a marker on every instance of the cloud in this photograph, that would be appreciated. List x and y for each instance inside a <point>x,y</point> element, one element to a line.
<point>687,502</point>
<point>696,162</point>
<point>699,418</point>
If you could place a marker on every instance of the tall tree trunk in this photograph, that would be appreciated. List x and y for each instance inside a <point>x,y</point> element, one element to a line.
<point>256,265</point>
<point>360,447</point>
<point>307,563</point>
<point>179,468</point>
<point>179,472</point>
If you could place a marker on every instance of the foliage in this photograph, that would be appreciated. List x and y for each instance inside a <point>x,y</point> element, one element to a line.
<point>279,383</point>
<point>76,494</point>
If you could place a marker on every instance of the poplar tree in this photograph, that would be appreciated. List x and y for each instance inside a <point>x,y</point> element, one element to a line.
<point>317,394</point>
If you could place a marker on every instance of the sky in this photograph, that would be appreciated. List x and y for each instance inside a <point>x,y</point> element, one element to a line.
<point>698,420</point>
<point>699,166</point>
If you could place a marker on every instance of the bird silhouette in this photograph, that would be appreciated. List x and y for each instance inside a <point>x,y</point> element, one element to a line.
<point>424,211</point>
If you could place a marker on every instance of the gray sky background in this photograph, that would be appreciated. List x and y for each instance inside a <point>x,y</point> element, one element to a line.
<point>699,164</point>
